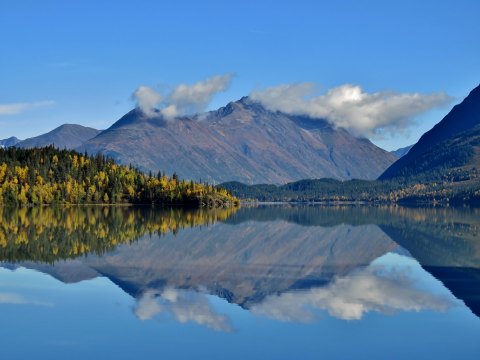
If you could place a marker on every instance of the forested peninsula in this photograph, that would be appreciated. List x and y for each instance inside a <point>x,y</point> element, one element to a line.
<point>47,175</point>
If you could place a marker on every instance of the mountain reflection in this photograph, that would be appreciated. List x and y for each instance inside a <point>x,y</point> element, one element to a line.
<point>289,263</point>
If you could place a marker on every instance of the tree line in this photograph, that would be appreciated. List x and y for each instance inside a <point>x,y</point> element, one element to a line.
<point>52,176</point>
<point>452,186</point>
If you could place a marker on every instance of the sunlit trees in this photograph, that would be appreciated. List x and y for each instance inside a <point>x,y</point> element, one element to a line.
<point>48,175</point>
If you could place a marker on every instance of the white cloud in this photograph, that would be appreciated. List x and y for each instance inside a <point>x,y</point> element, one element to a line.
<point>184,305</point>
<point>183,99</point>
<point>350,107</point>
<point>147,99</point>
<point>190,99</point>
<point>374,288</point>
<point>17,108</point>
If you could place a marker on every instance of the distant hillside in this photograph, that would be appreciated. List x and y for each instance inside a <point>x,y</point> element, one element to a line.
<point>11,141</point>
<point>328,190</point>
<point>242,141</point>
<point>401,152</point>
<point>68,136</point>
<point>454,129</point>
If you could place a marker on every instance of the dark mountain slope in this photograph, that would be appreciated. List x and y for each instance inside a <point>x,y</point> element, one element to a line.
<point>454,159</point>
<point>462,118</point>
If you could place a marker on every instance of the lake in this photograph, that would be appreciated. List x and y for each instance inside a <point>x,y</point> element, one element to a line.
<point>263,282</point>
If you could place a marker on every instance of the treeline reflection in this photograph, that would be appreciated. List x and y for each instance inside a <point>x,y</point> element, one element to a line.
<point>48,234</point>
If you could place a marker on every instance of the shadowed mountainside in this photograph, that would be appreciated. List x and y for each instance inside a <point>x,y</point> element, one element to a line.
<point>456,127</point>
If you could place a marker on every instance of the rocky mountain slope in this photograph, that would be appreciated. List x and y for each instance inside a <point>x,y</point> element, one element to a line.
<point>241,141</point>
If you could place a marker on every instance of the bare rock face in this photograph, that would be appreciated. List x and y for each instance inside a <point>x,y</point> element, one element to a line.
<point>242,141</point>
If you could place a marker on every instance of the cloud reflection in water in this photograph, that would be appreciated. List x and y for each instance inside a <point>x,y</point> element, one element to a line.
<point>184,306</point>
<point>376,288</point>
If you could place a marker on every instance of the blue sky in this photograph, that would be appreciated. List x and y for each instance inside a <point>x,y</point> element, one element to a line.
<point>80,61</point>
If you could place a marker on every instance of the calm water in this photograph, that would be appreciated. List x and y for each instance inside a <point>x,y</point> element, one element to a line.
<point>273,282</point>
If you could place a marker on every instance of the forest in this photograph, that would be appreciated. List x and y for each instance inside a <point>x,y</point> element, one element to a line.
<point>454,187</point>
<point>41,176</point>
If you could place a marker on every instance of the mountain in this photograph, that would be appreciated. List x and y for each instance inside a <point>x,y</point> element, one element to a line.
<point>67,136</point>
<point>401,151</point>
<point>242,141</point>
<point>450,144</point>
<point>11,141</point>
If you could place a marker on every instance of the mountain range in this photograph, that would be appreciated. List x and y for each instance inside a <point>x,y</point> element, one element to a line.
<point>67,136</point>
<point>11,141</point>
<point>247,143</point>
<point>443,166</point>
<point>242,141</point>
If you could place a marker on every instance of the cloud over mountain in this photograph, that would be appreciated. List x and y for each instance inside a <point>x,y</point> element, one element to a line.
<point>147,99</point>
<point>350,107</point>
<point>184,99</point>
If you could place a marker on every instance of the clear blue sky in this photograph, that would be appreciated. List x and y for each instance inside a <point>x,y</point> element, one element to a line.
<point>80,61</point>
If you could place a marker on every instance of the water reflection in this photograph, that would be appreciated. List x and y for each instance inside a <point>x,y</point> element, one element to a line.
<point>290,263</point>
<point>19,299</point>
<point>47,234</point>
<point>184,306</point>
<point>375,288</point>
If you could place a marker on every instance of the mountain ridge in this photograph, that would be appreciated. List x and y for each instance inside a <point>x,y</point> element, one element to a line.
<point>68,136</point>
<point>401,152</point>
<point>8,142</point>
<point>241,141</point>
